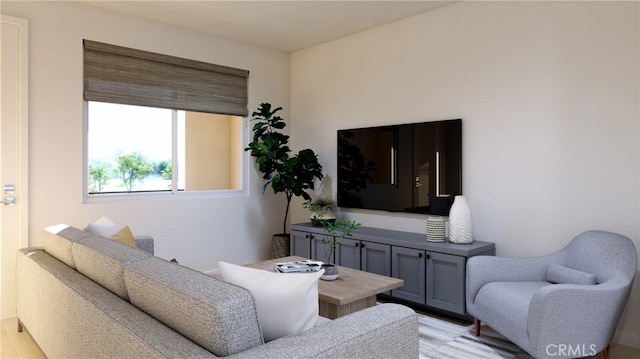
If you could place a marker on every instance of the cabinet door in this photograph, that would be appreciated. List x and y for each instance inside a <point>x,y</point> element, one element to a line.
<point>321,248</point>
<point>375,258</point>
<point>301,244</point>
<point>445,282</point>
<point>348,253</point>
<point>409,264</point>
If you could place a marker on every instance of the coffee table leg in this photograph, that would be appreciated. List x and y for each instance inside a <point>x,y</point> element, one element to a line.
<point>333,311</point>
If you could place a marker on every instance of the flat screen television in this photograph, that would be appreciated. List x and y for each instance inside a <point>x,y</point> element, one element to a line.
<point>413,168</point>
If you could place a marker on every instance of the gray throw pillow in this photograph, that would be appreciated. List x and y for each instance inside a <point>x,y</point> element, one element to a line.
<point>560,274</point>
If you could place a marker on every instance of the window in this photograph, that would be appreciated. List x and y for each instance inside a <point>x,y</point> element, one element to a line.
<point>161,124</point>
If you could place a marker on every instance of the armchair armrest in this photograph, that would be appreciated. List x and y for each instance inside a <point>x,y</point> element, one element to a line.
<point>145,243</point>
<point>486,269</point>
<point>584,315</point>
<point>383,331</point>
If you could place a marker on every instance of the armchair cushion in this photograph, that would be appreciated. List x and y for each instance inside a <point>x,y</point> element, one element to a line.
<point>560,274</point>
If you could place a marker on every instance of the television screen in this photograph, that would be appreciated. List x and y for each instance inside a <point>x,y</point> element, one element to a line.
<point>401,168</point>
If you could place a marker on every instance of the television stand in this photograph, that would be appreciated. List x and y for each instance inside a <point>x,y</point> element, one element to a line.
<point>433,273</point>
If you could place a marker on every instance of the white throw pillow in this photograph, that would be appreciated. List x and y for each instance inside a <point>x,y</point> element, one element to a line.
<point>287,303</point>
<point>102,227</point>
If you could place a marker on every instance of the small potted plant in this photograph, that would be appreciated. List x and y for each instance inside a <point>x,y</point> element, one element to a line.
<point>321,209</point>
<point>335,228</point>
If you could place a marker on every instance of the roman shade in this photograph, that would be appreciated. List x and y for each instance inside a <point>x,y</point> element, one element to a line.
<point>134,77</point>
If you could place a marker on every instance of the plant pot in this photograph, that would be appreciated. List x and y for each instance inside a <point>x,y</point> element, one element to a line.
<point>330,272</point>
<point>280,244</point>
<point>316,220</point>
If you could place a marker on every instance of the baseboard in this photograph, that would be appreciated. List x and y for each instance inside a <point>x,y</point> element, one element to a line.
<point>627,339</point>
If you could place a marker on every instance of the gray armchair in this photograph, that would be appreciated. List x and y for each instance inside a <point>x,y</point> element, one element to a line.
<point>563,305</point>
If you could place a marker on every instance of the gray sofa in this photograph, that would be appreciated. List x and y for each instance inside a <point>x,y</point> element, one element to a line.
<point>84,296</point>
<point>562,305</point>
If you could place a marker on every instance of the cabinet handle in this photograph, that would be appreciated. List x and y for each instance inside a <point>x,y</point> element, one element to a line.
<point>419,255</point>
<point>356,245</point>
<point>428,256</point>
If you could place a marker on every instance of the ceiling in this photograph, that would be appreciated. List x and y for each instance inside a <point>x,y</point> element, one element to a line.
<point>282,25</point>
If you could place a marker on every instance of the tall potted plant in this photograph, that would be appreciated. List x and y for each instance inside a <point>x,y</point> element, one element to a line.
<point>292,175</point>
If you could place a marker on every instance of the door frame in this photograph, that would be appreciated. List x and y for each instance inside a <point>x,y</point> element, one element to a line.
<point>21,180</point>
<point>23,175</point>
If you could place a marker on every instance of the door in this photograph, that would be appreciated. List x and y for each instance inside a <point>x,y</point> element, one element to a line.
<point>348,253</point>
<point>321,249</point>
<point>409,264</point>
<point>445,282</point>
<point>300,244</point>
<point>376,258</point>
<point>13,154</point>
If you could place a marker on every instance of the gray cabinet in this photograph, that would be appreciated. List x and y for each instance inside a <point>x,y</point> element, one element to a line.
<point>409,264</point>
<point>321,248</point>
<point>364,255</point>
<point>375,258</point>
<point>433,273</point>
<point>301,244</point>
<point>446,282</point>
<point>310,245</point>
<point>348,253</point>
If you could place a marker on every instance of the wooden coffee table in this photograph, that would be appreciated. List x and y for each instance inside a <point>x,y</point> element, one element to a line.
<point>353,290</point>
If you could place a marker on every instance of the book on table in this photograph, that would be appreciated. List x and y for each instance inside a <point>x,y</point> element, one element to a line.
<point>298,266</point>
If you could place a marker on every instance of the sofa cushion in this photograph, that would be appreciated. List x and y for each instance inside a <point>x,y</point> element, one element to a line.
<point>287,303</point>
<point>58,240</point>
<point>219,316</point>
<point>103,260</point>
<point>560,274</point>
<point>71,316</point>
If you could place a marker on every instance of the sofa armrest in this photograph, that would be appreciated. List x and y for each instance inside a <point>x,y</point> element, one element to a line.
<point>383,331</point>
<point>145,243</point>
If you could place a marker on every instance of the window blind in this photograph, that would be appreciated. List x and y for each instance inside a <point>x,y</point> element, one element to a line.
<point>134,77</point>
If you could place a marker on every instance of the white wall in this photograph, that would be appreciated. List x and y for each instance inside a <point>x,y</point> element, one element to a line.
<point>198,232</point>
<point>549,97</point>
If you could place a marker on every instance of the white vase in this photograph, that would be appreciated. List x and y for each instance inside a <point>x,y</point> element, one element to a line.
<point>460,223</point>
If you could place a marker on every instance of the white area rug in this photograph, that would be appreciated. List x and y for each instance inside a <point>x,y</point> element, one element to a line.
<point>443,339</point>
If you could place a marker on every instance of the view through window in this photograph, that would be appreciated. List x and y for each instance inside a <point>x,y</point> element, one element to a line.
<point>134,149</point>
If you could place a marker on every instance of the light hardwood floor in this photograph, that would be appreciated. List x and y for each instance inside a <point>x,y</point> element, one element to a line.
<point>17,345</point>
<point>21,346</point>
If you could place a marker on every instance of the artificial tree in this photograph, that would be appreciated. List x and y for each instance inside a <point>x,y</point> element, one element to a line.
<point>292,175</point>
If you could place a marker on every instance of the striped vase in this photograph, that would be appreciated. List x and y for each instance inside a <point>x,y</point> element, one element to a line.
<point>460,224</point>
